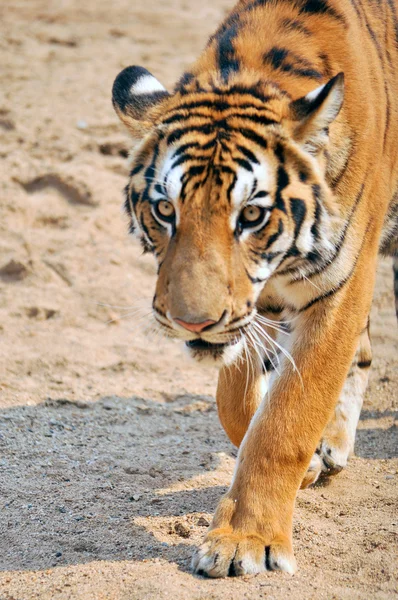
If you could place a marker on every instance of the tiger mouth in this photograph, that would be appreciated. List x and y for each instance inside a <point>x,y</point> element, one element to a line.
<point>203,345</point>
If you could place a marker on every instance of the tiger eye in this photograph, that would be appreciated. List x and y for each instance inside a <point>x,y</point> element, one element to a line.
<point>252,213</point>
<point>165,209</point>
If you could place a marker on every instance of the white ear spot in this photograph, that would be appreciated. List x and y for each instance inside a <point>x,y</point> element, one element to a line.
<point>147,84</point>
<point>311,96</point>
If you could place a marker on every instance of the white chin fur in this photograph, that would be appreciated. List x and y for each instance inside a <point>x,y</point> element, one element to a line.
<point>225,358</point>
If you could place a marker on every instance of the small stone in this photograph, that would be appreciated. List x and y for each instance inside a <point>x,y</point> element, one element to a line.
<point>81,124</point>
<point>14,269</point>
<point>155,471</point>
<point>132,470</point>
<point>181,529</point>
<point>389,477</point>
<point>58,554</point>
<point>202,522</point>
<point>135,497</point>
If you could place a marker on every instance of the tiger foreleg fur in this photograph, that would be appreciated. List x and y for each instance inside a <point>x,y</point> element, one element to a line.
<point>338,439</point>
<point>243,385</point>
<point>252,526</point>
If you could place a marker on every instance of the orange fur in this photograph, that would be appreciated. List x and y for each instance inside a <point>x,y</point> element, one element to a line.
<point>326,173</point>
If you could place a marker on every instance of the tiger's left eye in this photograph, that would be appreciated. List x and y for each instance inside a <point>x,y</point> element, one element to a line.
<point>165,210</point>
<point>251,216</point>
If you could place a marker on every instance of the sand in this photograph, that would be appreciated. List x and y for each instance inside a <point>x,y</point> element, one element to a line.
<point>112,458</point>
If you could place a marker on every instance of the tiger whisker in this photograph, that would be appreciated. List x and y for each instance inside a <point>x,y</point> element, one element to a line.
<point>282,350</point>
<point>266,351</point>
<point>131,314</point>
<point>303,276</point>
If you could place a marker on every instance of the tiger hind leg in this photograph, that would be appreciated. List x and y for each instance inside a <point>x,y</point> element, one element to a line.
<point>337,443</point>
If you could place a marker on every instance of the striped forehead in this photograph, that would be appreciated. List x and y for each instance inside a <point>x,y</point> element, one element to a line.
<point>256,177</point>
<point>171,176</point>
<point>248,183</point>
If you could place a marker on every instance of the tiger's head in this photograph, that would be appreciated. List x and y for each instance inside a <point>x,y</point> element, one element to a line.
<point>227,188</point>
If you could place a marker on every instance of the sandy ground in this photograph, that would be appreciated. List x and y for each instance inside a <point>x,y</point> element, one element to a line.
<point>112,458</point>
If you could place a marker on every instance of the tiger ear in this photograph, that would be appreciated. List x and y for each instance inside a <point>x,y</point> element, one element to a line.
<point>316,111</point>
<point>135,93</point>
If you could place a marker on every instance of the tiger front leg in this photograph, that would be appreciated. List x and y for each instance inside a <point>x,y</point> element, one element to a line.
<point>252,527</point>
<point>338,439</point>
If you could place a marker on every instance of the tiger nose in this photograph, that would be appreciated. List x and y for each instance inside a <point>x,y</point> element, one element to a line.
<point>195,327</point>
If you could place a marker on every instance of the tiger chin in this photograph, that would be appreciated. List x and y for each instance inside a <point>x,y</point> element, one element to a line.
<point>214,355</point>
<point>265,185</point>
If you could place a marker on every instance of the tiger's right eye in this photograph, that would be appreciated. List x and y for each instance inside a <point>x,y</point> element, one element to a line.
<point>165,211</point>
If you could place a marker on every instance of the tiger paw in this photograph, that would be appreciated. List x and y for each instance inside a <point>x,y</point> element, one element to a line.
<point>328,460</point>
<point>334,456</point>
<point>232,554</point>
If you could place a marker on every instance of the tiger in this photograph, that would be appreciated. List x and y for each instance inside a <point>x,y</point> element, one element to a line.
<point>266,185</point>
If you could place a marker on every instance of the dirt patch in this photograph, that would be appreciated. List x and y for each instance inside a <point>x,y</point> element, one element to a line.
<point>112,458</point>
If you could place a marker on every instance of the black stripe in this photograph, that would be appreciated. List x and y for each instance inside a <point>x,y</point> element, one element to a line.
<point>275,57</point>
<point>253,91</point>
<point>299,211</point>
<point>261,194</point>
<point>268,365</point>
<point>314,256</point>
<point>255,117</point>
<point>254,137</point>
<point>160,189</point>
<point>327,294</point>
<point>274,310</point>
<point>211,126</point>
<point>249,154</point>
<point>340,243</point>
<point>280,153</point>
<point>245,164</point>
<point>388,112</point>
<point>364,364</point>
<point>127,203</point>
<point>316,190</point>
<point>183,158</point>
<point>185,79</point>
<point>294,25</point>
<point>281,183</point>
<point>136,169</point>
<point>289,62</point>
<point>272,238</point>
<point>177,134</point>
<point>215,104</point>
<point>342,282</point>
<point>145,229</point>
<point>254,279</point>
<point>231,187</point>
<point>135,196</point>
<point>227,60</point>
<point>182,149</point>
<point>391,4</point>
<point>319,7</point>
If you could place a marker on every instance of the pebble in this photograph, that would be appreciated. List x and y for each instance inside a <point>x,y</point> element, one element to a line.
<point>135,497</point>
<point>81,124</point>
<point>181,529</point>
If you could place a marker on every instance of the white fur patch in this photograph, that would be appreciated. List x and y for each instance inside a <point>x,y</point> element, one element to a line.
<point>311,96</point>
<point>244,185</point>
<point>146,85</point>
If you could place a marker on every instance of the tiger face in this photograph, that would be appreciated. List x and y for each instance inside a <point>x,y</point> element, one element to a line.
<point>227,188</point>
